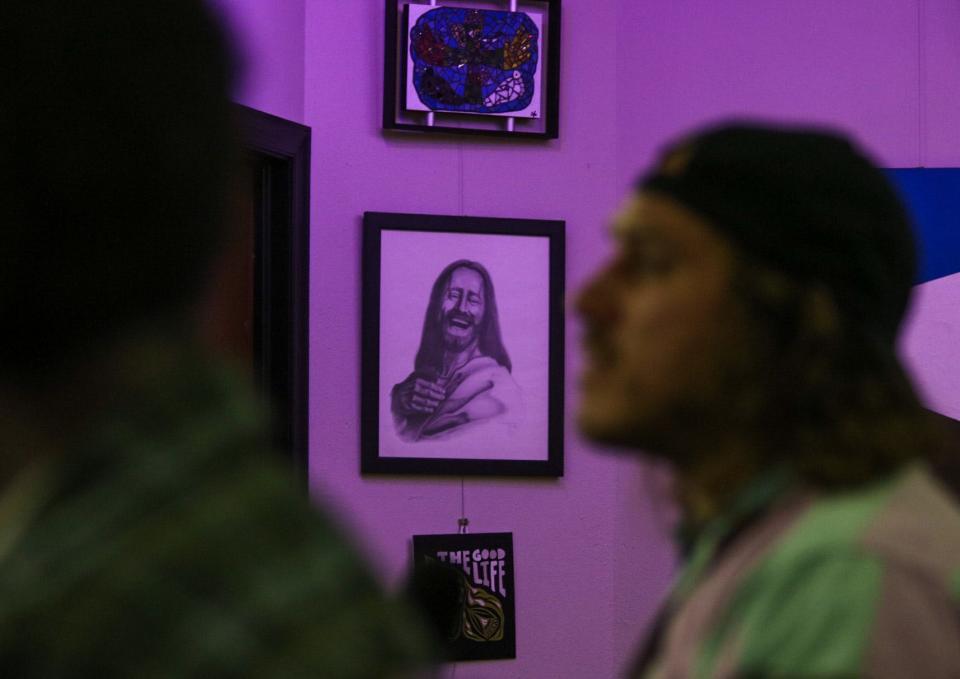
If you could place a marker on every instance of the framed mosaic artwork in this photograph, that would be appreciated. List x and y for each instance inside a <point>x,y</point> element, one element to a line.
<point>488,67</point>
<point>462,351</point>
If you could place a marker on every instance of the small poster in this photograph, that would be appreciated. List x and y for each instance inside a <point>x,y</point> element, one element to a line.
<point>471,577</point>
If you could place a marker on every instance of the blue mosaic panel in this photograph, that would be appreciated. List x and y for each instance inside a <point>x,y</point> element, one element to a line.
<point>474,61</point>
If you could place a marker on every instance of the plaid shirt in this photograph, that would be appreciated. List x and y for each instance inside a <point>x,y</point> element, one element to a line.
<point>864,583</point>
<point>170,544</point>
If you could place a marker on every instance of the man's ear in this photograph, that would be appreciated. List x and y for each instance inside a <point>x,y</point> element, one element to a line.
<point>817,343</point>
<point>820,317</point>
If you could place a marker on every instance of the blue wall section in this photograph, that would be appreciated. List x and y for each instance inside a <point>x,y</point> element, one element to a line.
<point>933,198</point>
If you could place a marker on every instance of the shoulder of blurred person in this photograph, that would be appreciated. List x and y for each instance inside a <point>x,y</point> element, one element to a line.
<point>859,582</point>
<point>169,542</point>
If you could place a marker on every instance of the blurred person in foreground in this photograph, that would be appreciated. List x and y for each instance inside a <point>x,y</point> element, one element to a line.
<point>744,332</point>
<point>146,530</point>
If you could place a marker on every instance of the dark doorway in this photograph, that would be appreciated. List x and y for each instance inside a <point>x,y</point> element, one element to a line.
<point>271,267</point>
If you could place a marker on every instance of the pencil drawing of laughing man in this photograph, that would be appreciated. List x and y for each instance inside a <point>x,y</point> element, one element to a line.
<point>462,372</point>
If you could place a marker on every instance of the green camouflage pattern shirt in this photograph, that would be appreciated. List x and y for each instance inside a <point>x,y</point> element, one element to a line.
<point>172,543</point>
<point>863,583</point>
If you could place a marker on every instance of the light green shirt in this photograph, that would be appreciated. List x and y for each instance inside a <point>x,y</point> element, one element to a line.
<point>862,583</point>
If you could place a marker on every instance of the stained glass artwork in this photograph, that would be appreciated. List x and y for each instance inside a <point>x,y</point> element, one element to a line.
<point>473,61</point>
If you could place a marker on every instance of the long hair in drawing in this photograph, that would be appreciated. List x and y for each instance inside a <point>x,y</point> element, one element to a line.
<point>430,353</point>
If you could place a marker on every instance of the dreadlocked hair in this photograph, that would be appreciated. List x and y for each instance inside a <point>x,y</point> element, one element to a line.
<point>838,407</point>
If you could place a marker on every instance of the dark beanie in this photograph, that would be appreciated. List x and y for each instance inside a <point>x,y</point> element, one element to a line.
<point>803,201</point>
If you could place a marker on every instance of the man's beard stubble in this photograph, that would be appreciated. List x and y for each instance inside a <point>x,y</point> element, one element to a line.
<point>733,396</point>
<point>455,343</point>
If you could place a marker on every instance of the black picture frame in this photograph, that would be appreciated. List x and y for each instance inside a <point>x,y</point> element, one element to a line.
<point>278,153</point>
<point>396,117</point>
<point>404,256</point>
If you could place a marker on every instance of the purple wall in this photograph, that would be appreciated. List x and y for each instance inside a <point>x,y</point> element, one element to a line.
<point>269,38</point>
<point>593,551</point>
<point>938,83</point>
<point>563,529</point>
<point>931,344</point>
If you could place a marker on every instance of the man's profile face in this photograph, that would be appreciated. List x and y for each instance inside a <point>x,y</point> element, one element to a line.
<point>660,326</point>
<point>462,308</point>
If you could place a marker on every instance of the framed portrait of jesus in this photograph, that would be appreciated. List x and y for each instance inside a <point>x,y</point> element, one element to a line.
<point>462,349</point>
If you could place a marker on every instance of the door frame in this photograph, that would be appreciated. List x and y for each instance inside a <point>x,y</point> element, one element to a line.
<point>281,270</point>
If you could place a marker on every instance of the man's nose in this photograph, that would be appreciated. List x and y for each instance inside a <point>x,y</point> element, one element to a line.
<point>595,300</point>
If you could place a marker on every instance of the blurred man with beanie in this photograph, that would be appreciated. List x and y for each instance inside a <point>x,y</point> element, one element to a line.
<point>745,333</point>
